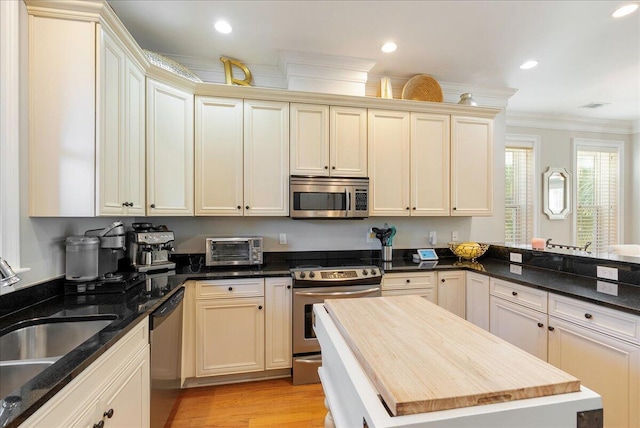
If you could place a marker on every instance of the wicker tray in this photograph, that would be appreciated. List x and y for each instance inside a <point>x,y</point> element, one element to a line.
<point>422,88</point>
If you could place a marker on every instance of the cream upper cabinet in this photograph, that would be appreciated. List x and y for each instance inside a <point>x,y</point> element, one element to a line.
<point>266,158</point>
<point>477,310</point>
<point>120,175</point>
<point>328,141</point>
<point>219,156</point>
<point>451,292</point>
<point>389,150</point>
<point>170,157</point>
<point>471,166</point>
<point>430,142</point>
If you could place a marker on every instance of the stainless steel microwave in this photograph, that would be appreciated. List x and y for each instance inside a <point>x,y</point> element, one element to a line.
<point>329,197</point>
<point>233,251</point>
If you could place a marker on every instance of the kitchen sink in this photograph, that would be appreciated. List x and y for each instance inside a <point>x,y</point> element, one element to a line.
<point>49,337</point>
<point>14,374</point>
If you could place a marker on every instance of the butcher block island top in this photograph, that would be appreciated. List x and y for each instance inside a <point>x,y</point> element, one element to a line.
<point>421,358</point>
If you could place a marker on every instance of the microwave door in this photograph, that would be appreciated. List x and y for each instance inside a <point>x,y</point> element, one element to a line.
<point>320,201</point>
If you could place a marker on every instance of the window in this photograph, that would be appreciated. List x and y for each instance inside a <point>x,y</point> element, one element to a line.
<point>598,193</point>
<point>520,195</point>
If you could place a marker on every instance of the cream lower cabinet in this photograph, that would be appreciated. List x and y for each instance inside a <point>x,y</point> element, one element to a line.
<point>241,326</point>
<point>113,390</point>
<point>170,157</point>
<point>601,347</point>
<point>451,291</point>
<point>328,140</point>
<point>471,166</point>
<point>406,283</point>
<point>477,296</point>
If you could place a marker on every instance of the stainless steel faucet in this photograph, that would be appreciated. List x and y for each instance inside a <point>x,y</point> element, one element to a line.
<point>7,275</point>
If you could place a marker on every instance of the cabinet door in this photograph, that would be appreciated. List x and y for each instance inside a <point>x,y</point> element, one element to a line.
<point>309,139</point>
<point>134,137</point>
<point>388,147</point>
<point>266,158</point>
<point>219,156</point>
<point>278,323</point>
<point>520,326</point>
<point>426,293</point>
<point>471,166</point>
<point>348,142</point>
<point>451,292</point>
<point>110,142</point>
<point>229,336</point>
<point>169,151</point>
<point>609,366</point>
<point>127,399</point>
<point>478,300</point>
<point>430,145</point>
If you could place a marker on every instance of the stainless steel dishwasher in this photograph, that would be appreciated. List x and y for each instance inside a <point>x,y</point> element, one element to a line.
<point>165,324</point>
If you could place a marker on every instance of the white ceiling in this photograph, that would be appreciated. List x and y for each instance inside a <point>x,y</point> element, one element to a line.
<point>585,55</point>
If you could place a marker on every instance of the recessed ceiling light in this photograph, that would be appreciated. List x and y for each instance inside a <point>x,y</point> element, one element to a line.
<point>389,47</point>
<point>529,64</point>
<point>625,10</point>
<point>223,27</point>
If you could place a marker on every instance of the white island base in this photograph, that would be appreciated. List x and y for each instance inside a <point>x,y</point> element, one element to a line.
<point>354,402</point>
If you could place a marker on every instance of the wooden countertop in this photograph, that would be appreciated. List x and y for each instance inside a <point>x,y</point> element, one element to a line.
<point>422,358</point>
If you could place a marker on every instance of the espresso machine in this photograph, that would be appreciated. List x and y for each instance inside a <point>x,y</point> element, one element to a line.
<point>149,247</point>
<point>94,260</point>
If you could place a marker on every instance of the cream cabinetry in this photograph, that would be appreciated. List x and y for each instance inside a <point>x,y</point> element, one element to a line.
<point>471,166</point>
<point>169,150</point>
<point>451,291</point>
<point>388,148</point>
<point>266,158</point>
<point>245,145</point>
<point>241,326</point>
<point>601,347</point>
<point>278,327</point>
<point>407,283</point>
<point>121,126</point>
<point>519,316</point>
<point>477,296</point>
<point>328,141</point>
<point>113,390</point>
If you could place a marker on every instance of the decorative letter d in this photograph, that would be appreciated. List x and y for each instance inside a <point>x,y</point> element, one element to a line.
<point>228,72</point>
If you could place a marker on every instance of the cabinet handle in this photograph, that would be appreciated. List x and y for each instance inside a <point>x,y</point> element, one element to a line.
<point>515,293</point>
<point>260,307</point>
<point>588,316</point>
<point>333,167</point>
<point>414,208</point>
<point>152,205</point>
<point>247,207</point>
<point>408,281</point>
<point>540,325</point>
<point>551,328</point>
<point>442,280</point>
<point>454,208</point>
<point>230,288</point>
<point>99,424</point>
<point>239,207</point>
<point>326,167</point>
<point>108,413</point>
<point>407,208</point>
<point>288,287</point>
<point>124,204</point>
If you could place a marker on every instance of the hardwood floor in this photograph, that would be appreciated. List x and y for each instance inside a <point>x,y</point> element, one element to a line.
<point>268,403</point>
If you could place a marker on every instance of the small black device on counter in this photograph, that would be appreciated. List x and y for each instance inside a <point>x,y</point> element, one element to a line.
<point>118,282</point>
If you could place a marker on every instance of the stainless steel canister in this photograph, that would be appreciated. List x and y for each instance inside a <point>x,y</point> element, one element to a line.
<point>82,258</point>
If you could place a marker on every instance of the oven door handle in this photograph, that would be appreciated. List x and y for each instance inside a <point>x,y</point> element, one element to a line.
<point>337,293</point>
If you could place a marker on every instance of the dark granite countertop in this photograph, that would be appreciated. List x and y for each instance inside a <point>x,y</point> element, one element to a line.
<point>47,300</point>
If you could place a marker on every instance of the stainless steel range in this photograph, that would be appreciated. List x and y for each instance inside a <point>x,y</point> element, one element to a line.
<point>315,284</point>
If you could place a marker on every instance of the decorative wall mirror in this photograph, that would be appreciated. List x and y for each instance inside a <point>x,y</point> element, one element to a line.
<point>556,193</point>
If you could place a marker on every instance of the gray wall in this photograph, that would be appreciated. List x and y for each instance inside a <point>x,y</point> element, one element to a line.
<point>633,216</point>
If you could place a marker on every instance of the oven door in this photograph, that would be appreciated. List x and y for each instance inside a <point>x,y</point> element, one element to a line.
<point>304,338</point>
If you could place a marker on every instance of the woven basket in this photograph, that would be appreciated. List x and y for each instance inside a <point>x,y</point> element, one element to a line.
<point>422,88</point>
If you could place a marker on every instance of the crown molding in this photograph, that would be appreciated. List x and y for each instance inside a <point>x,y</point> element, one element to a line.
<point>572,123</point>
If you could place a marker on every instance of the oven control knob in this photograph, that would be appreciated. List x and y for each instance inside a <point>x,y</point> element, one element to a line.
<point>365,272</point>
<point>312,274</point>
<point>303,275</point>
<point>373,272</point>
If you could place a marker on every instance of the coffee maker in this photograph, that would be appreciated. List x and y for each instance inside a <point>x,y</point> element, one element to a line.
<point>94,260</point>
<point>149,247</point>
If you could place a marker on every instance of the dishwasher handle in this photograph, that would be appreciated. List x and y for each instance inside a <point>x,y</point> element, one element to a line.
<point>166,308</point>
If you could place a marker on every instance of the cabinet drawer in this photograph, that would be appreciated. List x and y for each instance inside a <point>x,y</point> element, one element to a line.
<point>427,293</point>
<point>398,281</point>
<point>229,289</point>
<point>521,294</point>
<point>609,321</point>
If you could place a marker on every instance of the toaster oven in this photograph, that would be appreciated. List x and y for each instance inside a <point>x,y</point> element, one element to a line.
<point>233,251</point>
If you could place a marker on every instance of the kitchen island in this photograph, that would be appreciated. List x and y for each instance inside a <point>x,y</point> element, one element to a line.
<point>404,362</point>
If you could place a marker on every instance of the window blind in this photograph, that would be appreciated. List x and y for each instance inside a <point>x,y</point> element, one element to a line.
<point>597,199</point>
<point>519,195</point>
